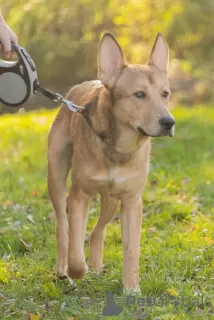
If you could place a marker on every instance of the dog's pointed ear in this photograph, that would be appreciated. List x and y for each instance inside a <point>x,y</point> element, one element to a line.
<point>110,60</point>
<point>160,53</point>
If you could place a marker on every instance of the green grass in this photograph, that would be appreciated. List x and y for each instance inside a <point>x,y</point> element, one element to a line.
<point>177,245</point>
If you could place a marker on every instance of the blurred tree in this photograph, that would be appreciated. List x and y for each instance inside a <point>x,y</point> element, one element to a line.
<point>62,36</point>
<point>191,35</point>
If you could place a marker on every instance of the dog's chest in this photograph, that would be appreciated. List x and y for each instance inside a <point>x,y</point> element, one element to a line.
<point>114,175</point>
<point>117,179</point>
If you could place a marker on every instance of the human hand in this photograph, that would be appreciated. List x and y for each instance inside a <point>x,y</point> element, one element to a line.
<point>6,37</point>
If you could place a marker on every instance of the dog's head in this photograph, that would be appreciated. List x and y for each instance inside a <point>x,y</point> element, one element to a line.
<point>140,92</point>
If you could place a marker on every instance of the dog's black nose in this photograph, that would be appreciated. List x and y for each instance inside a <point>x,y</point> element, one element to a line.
<point>167,122</point>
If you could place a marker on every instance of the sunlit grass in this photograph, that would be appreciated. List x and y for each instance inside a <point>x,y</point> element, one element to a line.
<point>177,231</point>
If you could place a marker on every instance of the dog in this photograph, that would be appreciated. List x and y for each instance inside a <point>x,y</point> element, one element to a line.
<point>108,147</point>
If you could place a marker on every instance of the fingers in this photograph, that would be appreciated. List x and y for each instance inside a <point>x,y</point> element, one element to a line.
<point>6,37</point>
<point>3,52</point>
<point>14,38</point>
<point>6,47</point>
<point>1,49</point>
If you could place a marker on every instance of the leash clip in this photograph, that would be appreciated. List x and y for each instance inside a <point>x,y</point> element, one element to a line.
<point>71,106</point>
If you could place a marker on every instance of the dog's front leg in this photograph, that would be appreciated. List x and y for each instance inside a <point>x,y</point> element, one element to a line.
<point>108,209</point>
<point>131,218</point>
<point>78,214</point>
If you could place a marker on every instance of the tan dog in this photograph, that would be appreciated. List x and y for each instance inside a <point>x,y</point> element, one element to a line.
<point>108,146</point>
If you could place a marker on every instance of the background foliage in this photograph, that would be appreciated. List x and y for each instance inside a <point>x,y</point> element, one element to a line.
<point>62,37</point>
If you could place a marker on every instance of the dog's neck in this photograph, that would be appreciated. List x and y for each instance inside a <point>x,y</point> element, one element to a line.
<point>120,141</point>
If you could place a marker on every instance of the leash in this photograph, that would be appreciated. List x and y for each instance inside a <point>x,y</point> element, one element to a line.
<point>19,83</point>
<point>56,97</point>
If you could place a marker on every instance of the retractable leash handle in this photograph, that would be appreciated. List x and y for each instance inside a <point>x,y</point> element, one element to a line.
<point>19,82</point>
<point>18,79</point>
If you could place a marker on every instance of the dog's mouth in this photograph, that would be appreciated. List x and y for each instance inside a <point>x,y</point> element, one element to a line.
<point>162,133</point>
<point>142,131</point>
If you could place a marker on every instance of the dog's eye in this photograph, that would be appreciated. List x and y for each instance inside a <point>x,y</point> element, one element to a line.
<point>165,94</point>
<point>140,95</point>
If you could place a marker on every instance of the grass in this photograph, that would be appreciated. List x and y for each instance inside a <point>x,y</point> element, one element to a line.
<point>177,242</point>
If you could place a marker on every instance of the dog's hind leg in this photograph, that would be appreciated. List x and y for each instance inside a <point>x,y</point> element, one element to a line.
<point>59,160</point>
<point>96,241</point>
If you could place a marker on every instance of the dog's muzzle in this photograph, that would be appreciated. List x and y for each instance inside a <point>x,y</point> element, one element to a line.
<point>166,128</point>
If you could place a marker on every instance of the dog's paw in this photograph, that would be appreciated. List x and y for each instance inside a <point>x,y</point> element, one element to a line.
<point>95,265</point>
<point>62,277</point>
<point>61,272</point>
<point>77,270</point>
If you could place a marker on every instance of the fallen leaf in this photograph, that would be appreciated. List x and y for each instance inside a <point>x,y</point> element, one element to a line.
<point>7,203</point>
<point>193,228</point>
<point>62,306</point>
<point>71,282</point>
<point>153,229</point>
<point>35,193</point>
<point>172,292</point>
<point>30,218</point>
<point>27,245</point>
<point>208,240</point>
<point>50,304</point>
<point>34,316</point>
